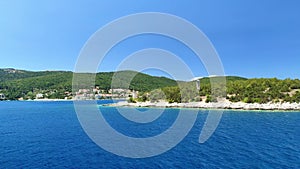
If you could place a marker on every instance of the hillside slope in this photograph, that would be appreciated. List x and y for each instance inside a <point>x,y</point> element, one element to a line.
<point>20,83</point>
<point>16,84</point>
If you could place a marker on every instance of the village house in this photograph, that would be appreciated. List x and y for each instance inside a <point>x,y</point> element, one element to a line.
<point>39,96</point>
<point>2,96</point>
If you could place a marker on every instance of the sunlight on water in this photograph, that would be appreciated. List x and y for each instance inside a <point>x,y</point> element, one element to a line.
<point>48,135</point>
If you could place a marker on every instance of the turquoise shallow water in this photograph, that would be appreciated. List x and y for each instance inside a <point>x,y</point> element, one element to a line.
<point>48,135</point>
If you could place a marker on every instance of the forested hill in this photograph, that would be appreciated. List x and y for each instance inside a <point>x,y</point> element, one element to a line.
<point>15,84</point>
<point>14,74</point>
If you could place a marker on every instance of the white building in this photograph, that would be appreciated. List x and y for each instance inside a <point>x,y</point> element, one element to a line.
<point>119,91</point>
<point>39,96</point>
<point>135,94</point>
<point>2,96</point>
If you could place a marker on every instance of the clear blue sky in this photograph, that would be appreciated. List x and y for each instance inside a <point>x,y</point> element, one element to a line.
<point>257,38</point>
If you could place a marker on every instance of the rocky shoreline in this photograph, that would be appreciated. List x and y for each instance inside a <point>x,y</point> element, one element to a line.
<point>218,105</point>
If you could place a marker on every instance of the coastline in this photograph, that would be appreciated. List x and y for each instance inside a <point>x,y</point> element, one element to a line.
<point>225,105</point>
<point>48,100</point>
<point>218,105</point>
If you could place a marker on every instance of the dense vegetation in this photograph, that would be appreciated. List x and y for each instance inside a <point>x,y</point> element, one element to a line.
<point>132,80</point>
<point>248,91</point>
<point>54,84</point>
<point>187,91</point>
<point>16,84</point>
<point>264,90</point>
<point>238,89</point>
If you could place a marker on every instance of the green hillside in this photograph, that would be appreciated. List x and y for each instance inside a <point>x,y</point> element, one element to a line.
<point>14,74</point>
<point>58,84</point>
<point>262,90</point>
<point>138,81</point>
<point>16,84</point>
<point>188,90</point>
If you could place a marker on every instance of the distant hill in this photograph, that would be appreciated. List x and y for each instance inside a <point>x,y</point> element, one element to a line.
<point>206,80</point>
<point>19,83</point>
<point>140,82</point>
<point>14,74</point>
<point>16,84</point>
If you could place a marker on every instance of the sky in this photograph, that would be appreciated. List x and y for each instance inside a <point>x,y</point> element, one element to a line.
<point>257,38</point>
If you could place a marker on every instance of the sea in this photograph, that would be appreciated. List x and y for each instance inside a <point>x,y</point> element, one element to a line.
<point>49,135</point>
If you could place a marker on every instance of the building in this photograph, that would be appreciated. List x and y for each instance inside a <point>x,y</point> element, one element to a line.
<point>135,94</point>
<point>39,96</point>
<point>119,91</point>
<point>87,94</point>
<point>2,96</point>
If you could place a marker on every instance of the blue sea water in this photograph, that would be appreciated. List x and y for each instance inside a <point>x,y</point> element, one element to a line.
<point>49,135</point>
